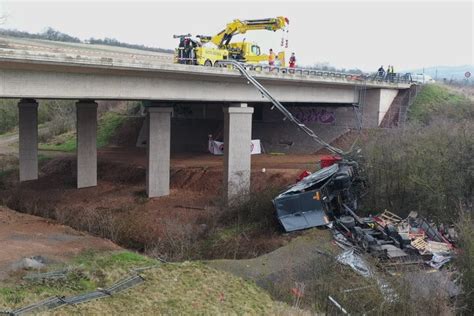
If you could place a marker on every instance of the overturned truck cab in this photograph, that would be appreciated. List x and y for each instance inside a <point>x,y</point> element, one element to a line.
<point>318,198</point>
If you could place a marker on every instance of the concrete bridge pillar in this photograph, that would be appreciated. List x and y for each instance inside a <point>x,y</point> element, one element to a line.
<point>28,138</point>
<point>159,144</point>
<point>237,147</point>
<point>377,103</point>
<point>86,143</point>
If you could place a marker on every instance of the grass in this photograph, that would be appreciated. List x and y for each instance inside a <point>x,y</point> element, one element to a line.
<point>175,288</point>
<point>107,125</point>
<point>436,99</point>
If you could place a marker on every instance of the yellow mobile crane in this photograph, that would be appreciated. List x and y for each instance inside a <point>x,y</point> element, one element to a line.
<point>200,52</point>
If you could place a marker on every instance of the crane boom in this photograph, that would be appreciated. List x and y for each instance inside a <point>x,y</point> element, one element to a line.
<point>241,27</point>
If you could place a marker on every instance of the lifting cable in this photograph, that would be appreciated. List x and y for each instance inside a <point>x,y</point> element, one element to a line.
<point>287,114</point>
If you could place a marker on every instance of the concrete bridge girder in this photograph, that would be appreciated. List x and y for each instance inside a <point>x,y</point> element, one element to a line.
<point>133,86</point>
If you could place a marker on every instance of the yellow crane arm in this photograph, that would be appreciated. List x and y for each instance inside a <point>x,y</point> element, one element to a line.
<point>240,27</point>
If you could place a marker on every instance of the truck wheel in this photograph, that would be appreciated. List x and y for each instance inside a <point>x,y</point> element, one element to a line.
<point>219,64</point>
<point>208,63</point>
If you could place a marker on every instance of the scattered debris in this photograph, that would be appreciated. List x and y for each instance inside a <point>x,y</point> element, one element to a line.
<point>350,258</point>
<point>339,307</point>
<point>53,275</point>
<point>32,263</point>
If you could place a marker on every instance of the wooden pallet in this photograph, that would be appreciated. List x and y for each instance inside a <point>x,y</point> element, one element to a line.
<point>434,246</point>
<point>420,244</point>
<point>390,218</point>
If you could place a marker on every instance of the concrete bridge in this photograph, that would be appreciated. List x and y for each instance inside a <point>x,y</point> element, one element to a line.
<point>31,74</point>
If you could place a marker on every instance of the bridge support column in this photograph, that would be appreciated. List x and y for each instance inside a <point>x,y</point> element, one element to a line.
<point>377,103</point>
<point>28,138</point>
<point>237,140</point>
<point>159,139</point>
<point>86,144</point>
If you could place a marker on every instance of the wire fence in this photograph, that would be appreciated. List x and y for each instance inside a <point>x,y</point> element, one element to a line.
<point>58,301</point>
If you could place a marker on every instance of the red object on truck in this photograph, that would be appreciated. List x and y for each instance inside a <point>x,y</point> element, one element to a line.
<point>329,160</point>
<point>303,175</point>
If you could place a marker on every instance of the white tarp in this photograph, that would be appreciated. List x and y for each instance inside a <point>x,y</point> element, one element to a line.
<point>217,148</point>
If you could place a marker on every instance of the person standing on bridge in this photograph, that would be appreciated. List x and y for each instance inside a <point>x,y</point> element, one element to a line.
<point>271,59</point>
<point>292,60</point>
<point>381,72</point>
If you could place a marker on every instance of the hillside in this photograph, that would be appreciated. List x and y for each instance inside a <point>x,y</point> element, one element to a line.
<point>436,100</point>
<point>174,288</point>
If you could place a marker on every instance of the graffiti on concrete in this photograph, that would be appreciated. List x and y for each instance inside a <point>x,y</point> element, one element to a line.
<point>314,115</point>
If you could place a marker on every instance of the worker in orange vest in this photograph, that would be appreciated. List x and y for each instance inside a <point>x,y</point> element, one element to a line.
<point>271,58</point>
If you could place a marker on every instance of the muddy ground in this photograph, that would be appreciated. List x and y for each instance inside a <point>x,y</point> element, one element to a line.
<point>187,224</point>
<point>25,236</point>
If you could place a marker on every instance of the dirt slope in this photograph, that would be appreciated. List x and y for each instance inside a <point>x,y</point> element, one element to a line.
<point>23,235</point>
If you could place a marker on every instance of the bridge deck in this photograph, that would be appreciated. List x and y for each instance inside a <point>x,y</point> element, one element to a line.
<point>36,54</point>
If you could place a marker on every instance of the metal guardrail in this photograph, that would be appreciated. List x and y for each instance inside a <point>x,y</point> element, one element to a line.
<point>311,72</point>
<point>57,301</point>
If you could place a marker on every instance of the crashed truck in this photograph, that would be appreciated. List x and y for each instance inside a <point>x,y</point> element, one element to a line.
<point>329,197</point>
<point>320,197</point>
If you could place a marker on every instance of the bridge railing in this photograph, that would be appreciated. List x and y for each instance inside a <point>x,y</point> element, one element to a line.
<point>391,78</point>
<point>312,72</point>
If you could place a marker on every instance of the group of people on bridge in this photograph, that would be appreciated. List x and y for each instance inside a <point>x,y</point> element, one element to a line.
<point>387,75</point>
<point>273,60</point>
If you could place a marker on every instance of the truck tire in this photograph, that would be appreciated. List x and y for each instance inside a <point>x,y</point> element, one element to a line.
<point>347,221</point>
<point>208,63</point>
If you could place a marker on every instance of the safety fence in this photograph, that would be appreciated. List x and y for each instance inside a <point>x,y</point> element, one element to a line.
<point>59,301</point>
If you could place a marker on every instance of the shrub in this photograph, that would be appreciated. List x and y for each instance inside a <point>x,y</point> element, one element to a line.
<point>256,209</point>
<point>465,260</point>
<point>8,115</point>
<point>426,169</point>
<point>60,113</point>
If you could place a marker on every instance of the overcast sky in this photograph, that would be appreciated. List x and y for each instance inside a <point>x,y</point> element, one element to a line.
<point>349,34</point>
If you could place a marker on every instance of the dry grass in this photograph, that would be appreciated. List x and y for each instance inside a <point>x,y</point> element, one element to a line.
<point>184,288</point>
